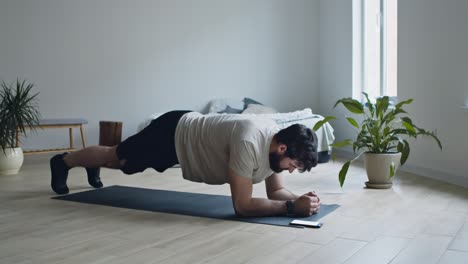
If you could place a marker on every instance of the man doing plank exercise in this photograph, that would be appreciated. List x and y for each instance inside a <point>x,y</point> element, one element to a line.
<point>240,150</point>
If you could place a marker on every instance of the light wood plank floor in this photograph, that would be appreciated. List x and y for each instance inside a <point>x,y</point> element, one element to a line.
<point>419,220</point>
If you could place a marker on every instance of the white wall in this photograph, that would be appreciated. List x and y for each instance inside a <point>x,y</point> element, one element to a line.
<point>335,58</point>
<point>124,60</point>
<point>432,69</point>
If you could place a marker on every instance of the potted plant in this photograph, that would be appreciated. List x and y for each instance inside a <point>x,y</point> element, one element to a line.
<point>381,137</point>
<point>18,111</point>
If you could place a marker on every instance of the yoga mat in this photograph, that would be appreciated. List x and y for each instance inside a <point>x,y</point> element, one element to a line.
<point>184,203</point>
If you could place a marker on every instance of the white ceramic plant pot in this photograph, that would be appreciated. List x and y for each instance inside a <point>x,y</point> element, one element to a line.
<point>11,160</point>
<point>378,169</point>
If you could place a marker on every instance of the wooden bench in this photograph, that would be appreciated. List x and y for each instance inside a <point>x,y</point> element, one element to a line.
<point>58,123</point>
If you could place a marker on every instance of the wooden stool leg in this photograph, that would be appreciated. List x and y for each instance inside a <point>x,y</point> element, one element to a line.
<point>71,137</point>
<point>82,136</point>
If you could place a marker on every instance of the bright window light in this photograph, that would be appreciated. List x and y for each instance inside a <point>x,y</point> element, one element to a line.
<point>375,48</point>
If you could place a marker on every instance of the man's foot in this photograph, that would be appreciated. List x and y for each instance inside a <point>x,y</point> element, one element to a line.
<point>59,172</point>
<point>93,177</point>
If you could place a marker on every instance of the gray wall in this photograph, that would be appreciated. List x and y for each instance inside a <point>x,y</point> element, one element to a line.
<point>432,69</point>
<point>124,60</point>
<point>335,73</point>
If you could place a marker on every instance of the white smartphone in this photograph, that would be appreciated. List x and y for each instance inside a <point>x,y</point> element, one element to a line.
<point>306,223</point>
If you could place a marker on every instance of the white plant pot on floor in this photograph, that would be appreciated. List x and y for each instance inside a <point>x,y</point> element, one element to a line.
<point>378,169</point>
<point>11,160</point>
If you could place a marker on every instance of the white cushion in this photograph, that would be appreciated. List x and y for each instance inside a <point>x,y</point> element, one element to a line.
<point>259,109</point>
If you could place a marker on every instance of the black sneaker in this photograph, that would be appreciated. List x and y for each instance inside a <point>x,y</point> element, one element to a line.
<point>93,177</point>
<point>59,172</point>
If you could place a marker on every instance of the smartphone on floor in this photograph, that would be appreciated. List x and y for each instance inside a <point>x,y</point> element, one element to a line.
<point>306,223</point>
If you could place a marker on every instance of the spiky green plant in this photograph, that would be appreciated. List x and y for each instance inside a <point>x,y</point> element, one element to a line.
<point>18,111</point>
<point>383,130</point>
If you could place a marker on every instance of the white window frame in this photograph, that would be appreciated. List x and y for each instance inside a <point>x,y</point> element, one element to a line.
<point>375,48</point>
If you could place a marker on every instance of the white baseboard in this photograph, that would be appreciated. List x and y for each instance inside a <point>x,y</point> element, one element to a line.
<point>459,180</point>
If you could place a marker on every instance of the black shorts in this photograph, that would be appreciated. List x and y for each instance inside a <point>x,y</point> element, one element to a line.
<point>153,147</point>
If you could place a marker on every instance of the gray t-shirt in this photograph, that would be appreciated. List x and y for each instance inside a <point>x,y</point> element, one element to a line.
<point>208,145</point>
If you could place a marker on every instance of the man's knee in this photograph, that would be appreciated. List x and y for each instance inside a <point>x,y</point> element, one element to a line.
<point>130,168</point>
<point>112,159</point>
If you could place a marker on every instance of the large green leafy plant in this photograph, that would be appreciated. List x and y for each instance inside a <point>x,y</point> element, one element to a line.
<point>385,129</point>
<point>18,111</point>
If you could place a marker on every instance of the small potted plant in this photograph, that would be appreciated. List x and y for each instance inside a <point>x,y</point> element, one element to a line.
<point>18,111</point>
<point>381,138</point>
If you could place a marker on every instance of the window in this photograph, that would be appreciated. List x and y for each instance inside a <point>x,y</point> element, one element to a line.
<point>375,48</point>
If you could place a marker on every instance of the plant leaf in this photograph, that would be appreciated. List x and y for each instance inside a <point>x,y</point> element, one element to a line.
<point>404,148</point>
<point>381,106</point>
<point>431,134</point>
<point>344,169</point>
<point>369,104</point>
<point>392,170</point>
<point>320,123</point>
<point>354,106</point>
<point>352,122</point>
<point>400,104</point>
<point>343,172</point>
<point>343,143</point>
<point>399,111</point>
<point>386,131</point>
<point>408,124</point>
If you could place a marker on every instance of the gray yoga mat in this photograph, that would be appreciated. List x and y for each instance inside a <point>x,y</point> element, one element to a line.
<point>184,203</point>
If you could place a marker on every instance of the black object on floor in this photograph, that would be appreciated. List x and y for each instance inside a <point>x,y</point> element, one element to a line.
<point>184,203</point>
<point>93,177</point>
<point>59,172</point>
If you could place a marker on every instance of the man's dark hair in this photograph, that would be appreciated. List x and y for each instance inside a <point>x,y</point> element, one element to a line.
<point>301,145</point>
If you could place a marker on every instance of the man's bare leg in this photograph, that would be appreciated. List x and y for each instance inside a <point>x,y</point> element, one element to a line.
<point>92,158</point>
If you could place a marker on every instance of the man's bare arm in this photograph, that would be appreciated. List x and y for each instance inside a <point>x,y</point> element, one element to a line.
<point>275,188</point>
<point>245,205</point>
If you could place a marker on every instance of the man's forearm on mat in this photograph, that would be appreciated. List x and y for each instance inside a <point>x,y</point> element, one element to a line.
<point>282,194</point>
<point>260,207</point>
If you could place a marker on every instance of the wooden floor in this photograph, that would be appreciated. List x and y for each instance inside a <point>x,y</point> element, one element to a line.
<point>418,221</point>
